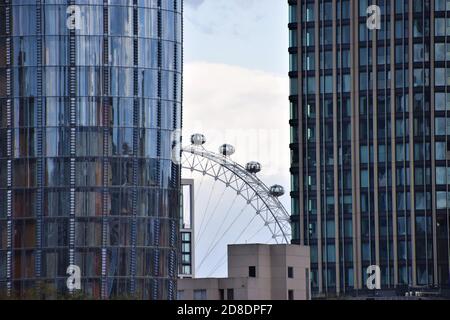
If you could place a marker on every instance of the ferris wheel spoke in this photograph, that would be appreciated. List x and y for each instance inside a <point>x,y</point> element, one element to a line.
<point>214,245</point>
<point>206,209</point>
<point>256,233</point>
<point>211,216</point>
<point>222,223</point>
<point>234,242</point>
<point>217,265</point>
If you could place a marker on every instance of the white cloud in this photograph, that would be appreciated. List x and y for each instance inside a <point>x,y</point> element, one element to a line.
<point>248,33</point>
<point>248,109</point>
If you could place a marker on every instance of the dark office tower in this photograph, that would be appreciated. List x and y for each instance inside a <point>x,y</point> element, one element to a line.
<point>90,96</point>
<point>370,141</point>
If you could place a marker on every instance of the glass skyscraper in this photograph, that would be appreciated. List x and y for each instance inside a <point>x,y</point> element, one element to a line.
<point>370,141</point>
<point>90,98</point>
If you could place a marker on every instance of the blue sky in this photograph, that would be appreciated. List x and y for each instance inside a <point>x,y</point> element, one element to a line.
<point>248,33</point>
<point>236,91</point>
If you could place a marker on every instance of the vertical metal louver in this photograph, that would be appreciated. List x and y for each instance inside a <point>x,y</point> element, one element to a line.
<point>135,146</point>
<point>9,146</point>
<point>39,141</point>
<point>73,136</point>
<point>106,101</point>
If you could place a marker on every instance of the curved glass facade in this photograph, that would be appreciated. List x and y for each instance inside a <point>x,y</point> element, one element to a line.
<point>90,96</point>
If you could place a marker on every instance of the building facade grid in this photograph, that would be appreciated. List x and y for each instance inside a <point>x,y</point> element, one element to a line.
<point>87,117</point>
<point>369,141</point>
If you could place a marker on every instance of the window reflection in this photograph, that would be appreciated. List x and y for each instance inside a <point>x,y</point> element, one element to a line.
<point>126,102</point>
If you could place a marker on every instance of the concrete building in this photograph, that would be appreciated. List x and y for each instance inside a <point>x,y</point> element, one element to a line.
<point>187,231</point>
<point>370,141</point>
<point>256,272</point>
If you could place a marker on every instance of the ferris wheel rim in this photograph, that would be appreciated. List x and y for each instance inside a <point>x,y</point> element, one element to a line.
<point>280,216</point>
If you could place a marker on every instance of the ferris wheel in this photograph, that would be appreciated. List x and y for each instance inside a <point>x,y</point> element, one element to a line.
<point>244,181</point>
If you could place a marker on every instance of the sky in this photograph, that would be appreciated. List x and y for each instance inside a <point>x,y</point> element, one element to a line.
<point>247,33</point>
<point>236,91</point>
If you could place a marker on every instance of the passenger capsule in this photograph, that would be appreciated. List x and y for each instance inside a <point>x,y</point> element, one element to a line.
<point>253,167</point>
<point>226,150</point>
<point>276,190</point>
<point>198,139</point>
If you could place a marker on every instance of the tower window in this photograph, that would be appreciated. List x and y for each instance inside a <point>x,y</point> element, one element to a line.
<point>290,272</point>
<point>291,295</point>
<point>252,272</point>
<point>230,294</point>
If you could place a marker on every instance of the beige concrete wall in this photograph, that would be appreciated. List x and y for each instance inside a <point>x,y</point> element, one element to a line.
<point>240,257</point>
<point>271,282</point>
<point>279,273</point>
<point>298,257</point>
<point>282,257</point>
<point>239,285</point>
<point>188,286</point>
